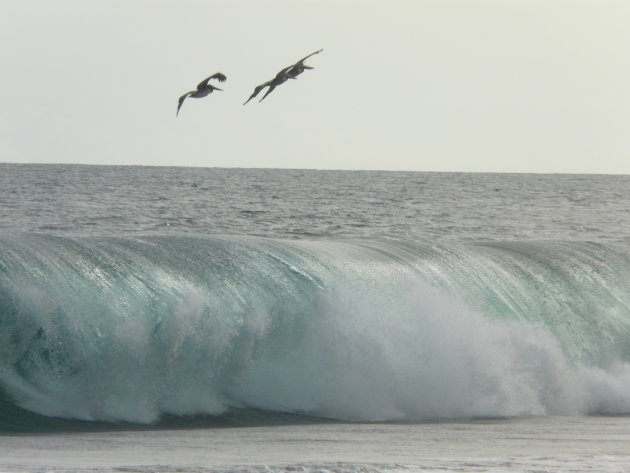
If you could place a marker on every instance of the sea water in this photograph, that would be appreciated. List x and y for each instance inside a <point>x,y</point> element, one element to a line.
<point>191,319</point>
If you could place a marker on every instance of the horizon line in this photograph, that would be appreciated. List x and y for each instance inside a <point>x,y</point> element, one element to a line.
<point>315,169</point>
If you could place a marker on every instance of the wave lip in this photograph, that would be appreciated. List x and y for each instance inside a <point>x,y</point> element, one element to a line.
<point>135,330</point>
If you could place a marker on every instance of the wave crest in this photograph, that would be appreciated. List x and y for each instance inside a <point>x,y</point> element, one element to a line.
<point>133,329</point>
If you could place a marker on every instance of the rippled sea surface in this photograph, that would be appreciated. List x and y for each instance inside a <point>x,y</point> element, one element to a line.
<point>105,200</point>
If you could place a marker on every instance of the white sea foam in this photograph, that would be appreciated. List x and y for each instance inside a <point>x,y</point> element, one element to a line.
<point>417,354</point>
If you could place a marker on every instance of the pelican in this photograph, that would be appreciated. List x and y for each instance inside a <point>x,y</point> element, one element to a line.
<point>299,66</point>
<point>290,72</point>
<point>203,89</point>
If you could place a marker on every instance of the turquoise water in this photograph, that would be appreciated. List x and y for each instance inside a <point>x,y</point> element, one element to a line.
<point>135,328</point>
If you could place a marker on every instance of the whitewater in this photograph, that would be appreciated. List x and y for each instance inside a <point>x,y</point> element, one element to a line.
<point>183,305</point>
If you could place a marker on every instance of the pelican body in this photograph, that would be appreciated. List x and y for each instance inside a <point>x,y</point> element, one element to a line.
<point>203,89</point>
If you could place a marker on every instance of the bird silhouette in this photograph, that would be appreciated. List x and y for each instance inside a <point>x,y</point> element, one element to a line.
<point>299,66</point>
<point>290,72</point>
<point>203,89</point>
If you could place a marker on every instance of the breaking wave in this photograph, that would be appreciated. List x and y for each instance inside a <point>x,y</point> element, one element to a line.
<point>122,329</point>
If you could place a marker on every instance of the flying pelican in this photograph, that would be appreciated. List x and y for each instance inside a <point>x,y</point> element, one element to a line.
<point>290,72</point>
<point>203,89</point>
<point>299,66</point>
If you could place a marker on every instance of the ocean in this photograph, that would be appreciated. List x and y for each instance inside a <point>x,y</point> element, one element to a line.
<point>171,319</point>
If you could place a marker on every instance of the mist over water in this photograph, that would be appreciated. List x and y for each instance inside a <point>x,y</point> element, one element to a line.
<point>357,296</point>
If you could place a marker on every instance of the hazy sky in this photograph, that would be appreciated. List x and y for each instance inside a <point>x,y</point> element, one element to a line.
<point>427,85</point>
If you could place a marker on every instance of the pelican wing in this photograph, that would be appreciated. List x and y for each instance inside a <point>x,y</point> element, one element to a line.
<point>204,83</point>
<point>257,90</point>
<point>271,87</point>
<point>218,76</point>
<point>304,59</point>
<point>299,67</point>
<point>181,101</point>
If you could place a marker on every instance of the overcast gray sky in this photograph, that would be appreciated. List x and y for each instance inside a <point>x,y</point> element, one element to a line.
<point>426,85</point>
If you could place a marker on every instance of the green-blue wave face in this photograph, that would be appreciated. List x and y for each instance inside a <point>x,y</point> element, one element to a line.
<point>132,329</point>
